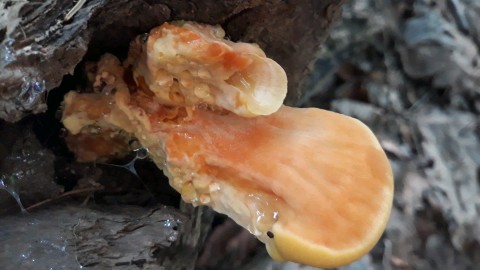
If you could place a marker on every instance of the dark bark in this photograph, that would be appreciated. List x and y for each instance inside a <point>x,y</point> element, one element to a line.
<point>38,46</point>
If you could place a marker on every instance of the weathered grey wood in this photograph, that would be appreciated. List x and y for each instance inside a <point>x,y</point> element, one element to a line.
<point>451,142</point>
<point>67,237</point>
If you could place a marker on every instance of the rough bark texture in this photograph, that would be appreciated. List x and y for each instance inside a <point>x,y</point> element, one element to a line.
<point>122,222</point>
<point>115,238</point>
<point>38,45</point>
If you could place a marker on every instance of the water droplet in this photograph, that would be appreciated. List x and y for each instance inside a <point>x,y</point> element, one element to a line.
<point>38,86</point>
<point>62,133</point>
<point>168,223</point>
<point>275,215</point>
<point>144,38</point>
<point>141,153</point>
<point>263,209</point>
<point>30,91</point>
<point>204,199</point>
<point>213,187</point>
<point>173,237</point>
<point>6,53</point>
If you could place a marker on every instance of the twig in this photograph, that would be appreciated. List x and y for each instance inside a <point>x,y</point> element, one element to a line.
<point>74,10</point>
<point>66,194</point>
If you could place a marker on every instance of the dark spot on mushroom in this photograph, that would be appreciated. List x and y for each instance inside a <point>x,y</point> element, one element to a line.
<point>270,234</point>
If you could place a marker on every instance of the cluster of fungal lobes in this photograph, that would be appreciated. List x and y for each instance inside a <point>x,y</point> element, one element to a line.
<point>313,185</point>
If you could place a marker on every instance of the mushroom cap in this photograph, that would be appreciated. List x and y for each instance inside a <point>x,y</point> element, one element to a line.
<point>187,63</point>
<point>317,180</point>
<point>313,185</point>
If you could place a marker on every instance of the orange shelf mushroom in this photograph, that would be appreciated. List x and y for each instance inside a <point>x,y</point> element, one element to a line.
<point>313,185</point>
<point>188,63</point>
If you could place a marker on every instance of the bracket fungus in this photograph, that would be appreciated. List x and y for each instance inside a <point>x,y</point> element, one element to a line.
<point>313,185</point>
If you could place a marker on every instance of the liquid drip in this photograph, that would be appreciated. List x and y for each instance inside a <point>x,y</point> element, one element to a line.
<point>13,193</point>
<point>264,208</point>
<point>140,153</point>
